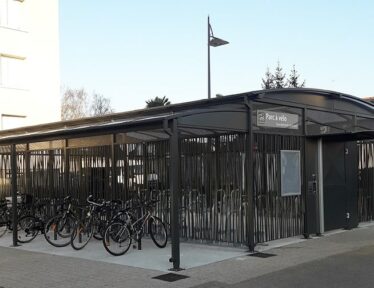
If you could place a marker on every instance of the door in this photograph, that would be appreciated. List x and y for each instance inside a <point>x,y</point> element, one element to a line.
<point>340,170</point>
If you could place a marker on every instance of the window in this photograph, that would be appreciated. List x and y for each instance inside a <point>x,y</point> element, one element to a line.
<point>12,71</point>
<point>12,121</point>
<point>290,173</point>
<point>12,14</point>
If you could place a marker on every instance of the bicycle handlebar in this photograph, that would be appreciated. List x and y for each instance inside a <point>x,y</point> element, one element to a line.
<point>89,200</point>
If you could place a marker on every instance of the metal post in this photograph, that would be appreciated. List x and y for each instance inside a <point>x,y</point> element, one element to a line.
<point>14,193</point>
<point>319,196</point>
<point>66,189</point>
<point>114,169</point>
<point>66,169</point>
<point>50,174</point>
<point>306,220</point>
<point>175,195</point>
<point>209,59</point>
<point>28,171</point>
<point>249,180</point>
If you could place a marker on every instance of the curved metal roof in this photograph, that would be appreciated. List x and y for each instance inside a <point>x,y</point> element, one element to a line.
<point>323,92</point>
<point>158,114</point>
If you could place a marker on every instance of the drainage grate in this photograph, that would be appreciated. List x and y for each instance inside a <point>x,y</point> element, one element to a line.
<point>170,277</point>
<point>262,255</point>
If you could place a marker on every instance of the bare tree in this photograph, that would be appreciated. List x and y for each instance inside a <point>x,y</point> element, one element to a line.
<point>74,104</point>
<point>100,105</point>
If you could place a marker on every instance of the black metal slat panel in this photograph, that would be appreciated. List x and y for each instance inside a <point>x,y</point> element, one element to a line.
<point>276,216</point>
<point>366,180</point>
<point>213,196</point>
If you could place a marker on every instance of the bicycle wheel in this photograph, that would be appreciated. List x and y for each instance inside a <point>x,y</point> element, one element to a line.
<point>117,238</point>
<point>158,232</point>
<point>100,230</point>
<point>58,230</point>
<point>28,229</point>
<point>82,234</point>
<point>3,224</point>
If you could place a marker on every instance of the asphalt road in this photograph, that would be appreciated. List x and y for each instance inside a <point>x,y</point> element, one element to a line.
<point>339,259</point>
<point>347,270</point>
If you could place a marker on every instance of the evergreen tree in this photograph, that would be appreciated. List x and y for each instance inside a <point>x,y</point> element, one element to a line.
<point>279,77</point>
<point>157,101</point>
<point>293,79</point>
<point>268,82</point>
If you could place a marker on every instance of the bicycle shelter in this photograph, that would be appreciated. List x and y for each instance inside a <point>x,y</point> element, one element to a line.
<point>239,170</point>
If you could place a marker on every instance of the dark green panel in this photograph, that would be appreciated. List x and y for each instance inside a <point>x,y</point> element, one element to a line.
<point>334,185</point>
<point>311,171</point>
<point>351,165</point>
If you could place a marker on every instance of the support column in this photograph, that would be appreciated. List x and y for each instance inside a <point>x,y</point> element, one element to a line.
<point>66,189</point>
<point>50,175</point>
<point>306,231</point>
<point>175,195</point>
<point>249,187</point>
<point>320,204</point>
<point>27,170</point>
<point>14,193</point>
<point>114,169</point>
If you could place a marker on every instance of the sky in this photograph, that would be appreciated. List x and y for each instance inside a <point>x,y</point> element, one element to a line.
<point>132,51</point>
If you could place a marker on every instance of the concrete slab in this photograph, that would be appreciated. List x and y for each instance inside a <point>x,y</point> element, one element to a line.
<point>150,257</point>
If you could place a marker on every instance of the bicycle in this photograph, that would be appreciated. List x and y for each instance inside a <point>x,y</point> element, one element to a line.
<point>58,229</point>
<point>125,227</point>
<point>5,222</point>
<point>31,225</point>
<point>6,216</point>
<point>89,226</point>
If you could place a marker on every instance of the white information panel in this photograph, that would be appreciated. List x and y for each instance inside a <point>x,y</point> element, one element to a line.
<point>290,173</point>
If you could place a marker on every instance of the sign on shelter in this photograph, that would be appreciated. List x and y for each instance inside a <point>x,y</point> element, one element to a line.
<point>266,118</point>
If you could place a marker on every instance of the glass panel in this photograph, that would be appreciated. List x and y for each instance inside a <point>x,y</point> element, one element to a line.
<point>364,124</point>
<point>15,14</point>
<point>3,12</point>
<point>12,121</point>
<point>12,72</point>
<point>320,122</point>
<point>290,173</point>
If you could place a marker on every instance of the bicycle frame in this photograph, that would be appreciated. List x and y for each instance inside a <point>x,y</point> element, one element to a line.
<point>143,219</point>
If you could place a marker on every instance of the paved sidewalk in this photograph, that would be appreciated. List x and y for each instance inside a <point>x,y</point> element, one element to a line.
<point>19,268</point>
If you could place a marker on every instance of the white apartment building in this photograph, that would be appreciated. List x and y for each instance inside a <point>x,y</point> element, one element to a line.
<point>29,63</point>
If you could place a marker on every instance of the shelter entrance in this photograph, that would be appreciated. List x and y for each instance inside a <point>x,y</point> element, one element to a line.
<point>332,184</point>
<point>339,184</point>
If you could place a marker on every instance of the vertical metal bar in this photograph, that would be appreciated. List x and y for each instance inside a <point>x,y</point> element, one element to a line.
<point>66,167</point>
<point>249,178</point>
<point>14,193</point>
<point>320,202</point>
<point>175,195</point>
<point>27,168</point>
<point>114,168</point>
<point>305,132</point>
<point>50,174</point>
<point>370,180</point>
